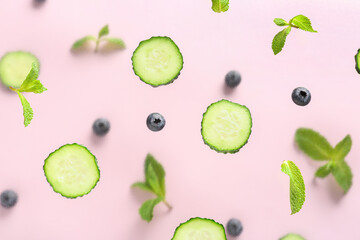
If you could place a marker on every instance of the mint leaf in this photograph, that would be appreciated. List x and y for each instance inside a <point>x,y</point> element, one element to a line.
<point>143,186</point>
<point>220,5</point>
<point>280,22</point>
<point>27,110</point>
<point>342,174</point>
<point>313,144</point>
<point>302,22</point>
<point>297,185</point>
<point>323,171</point>
<point>31,84</point>
<point>155,183</point>
<point>147,209</point>
<point>279,40</point>
<point>342,148</point>
<point>104,31</point>
<point>116,41</point>
<point>155,175</point>
<point>82,41</point>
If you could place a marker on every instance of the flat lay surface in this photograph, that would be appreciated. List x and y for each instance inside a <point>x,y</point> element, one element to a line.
<point>248,185</point>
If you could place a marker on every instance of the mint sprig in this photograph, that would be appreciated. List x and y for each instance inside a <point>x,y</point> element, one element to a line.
<point>30,84</point>
<point>297,185</point>
<point>299,21</point>
<point>317,147</point>
<point>219,6</point>
<point>154,183</point>
<point>104,31</point>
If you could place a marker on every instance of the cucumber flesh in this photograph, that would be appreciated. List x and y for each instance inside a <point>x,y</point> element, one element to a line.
<point>72,170</point>
<point>157,61</point>
<point>292,236</point>
<point>200,229</point>
<point>226,126</point>
<point>15,66</point>
<point>357,61</point>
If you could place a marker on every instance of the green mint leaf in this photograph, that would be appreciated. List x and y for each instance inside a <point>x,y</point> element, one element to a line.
<point>82,41</point>
<point>104,31</point>
<point>279,40</point>
<point>323,171</point>
<point>143,186</point>
<point>342,174</point>
<point>313,144</point>
<point>297,185</point>
<point>155,175</point>
<point>154,181</point>
<point>27,110</point>
<point>31,84</point>
<point>117,42</point>
<point>302,22</point>
<point>342,148</point>
<point>280,22</point>
<point>220,5</point>
<point>147,209</point>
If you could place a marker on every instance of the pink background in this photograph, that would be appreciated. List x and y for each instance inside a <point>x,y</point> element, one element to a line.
<point>200,182</point>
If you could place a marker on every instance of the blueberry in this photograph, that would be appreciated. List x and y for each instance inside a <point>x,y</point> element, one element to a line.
<point>301,96</point>
<point>101,126</point>
<point>234,227</point>
<point>155,122</point>
<point>8,198</point>
<point>232,79</point>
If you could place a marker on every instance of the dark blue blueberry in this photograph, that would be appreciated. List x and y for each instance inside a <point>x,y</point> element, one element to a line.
<point>301,96</point>
<point>232,79</point>
<point>101,126</point>
<point>8,198</point>
<point>155,122</point>
<point>234,227</point>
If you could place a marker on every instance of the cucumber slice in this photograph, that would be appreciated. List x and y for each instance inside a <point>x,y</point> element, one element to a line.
<point>226,126</point>
<point>200,229</point>
<point>72,170</point>
<point>292,236</point>
<point>357,61</point>
<point>15,66</point>
<point>157,61</point>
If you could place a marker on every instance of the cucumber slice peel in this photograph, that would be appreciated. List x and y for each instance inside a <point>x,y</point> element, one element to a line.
<point>226,126</point>
<point>357,61</point>
<point>15,66</point>
<point>157,61</point>
<point>198,229</point>
<point>72,170</point>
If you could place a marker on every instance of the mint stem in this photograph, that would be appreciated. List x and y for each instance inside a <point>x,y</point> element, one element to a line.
<point>167,204</point>
<point>97,45</point>
<point>292,25</point>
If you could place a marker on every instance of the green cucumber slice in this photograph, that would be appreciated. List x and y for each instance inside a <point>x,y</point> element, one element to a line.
<point>226,126</point>
<point>292,236</point>
<point>200,229</point>
<point>15,66</point>
<point>357,61</point>
<point>157,61</point>
<point>72,170</point>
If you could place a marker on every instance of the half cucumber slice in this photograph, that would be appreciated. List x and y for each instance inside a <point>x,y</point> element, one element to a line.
<point>200,229</point>
<point>72,170</point>
<point>357,61</point>
<point>292,236</point>
<point>226,126</point>
<point>15,66</point>
<point>157,61</point>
